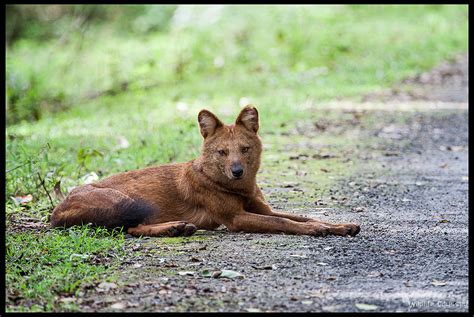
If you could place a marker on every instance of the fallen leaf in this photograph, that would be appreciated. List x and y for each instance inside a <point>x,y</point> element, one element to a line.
<point>231,274</point>
<point>331,278</point>
<point>438,283</point>
<point>362,306</point>
<point>188,273</point>
<point>22,200</point>
<point>443,221</point>
<point>222,273</point>
<point>324,170</point>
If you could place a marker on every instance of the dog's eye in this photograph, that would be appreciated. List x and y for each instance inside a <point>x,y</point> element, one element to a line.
<point>222,153</point>
<point>245,149</point>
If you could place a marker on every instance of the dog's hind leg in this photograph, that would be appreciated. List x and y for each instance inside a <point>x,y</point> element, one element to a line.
<point>170,229</point>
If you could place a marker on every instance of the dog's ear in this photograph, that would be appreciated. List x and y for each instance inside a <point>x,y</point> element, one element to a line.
<point>248,118</point>
<point>208,123</point>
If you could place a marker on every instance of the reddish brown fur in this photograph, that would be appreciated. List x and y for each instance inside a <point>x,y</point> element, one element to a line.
<point>175,199</point>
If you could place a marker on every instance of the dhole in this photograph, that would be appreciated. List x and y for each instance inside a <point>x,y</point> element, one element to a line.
<point>217,188</point>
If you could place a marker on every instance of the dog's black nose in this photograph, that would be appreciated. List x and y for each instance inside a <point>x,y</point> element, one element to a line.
<point>237,170</point>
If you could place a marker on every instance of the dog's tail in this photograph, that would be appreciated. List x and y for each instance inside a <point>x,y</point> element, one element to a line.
<point>127,213</point>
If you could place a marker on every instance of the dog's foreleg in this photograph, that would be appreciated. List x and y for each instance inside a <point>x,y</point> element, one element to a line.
<point>251,222</point>
<point>259,206</point>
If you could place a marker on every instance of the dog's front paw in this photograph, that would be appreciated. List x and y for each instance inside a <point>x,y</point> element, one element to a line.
<point>350,229</point>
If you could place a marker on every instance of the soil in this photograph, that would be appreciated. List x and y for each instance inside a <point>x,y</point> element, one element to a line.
<point>409,193</point>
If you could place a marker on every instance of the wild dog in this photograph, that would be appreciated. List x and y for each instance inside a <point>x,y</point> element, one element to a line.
<point>217,188</point>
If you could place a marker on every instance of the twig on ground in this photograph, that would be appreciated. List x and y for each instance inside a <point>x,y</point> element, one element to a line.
<point>44,187</point>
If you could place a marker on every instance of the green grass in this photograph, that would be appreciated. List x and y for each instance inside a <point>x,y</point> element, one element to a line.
<point>285,60</point>
<point>42,266</point>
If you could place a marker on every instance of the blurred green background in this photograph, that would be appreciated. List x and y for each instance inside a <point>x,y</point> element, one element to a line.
<point>59,57</point>
<point>108,88</point>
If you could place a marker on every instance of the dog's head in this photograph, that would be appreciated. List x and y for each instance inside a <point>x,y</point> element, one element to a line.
<point>231,152</point>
